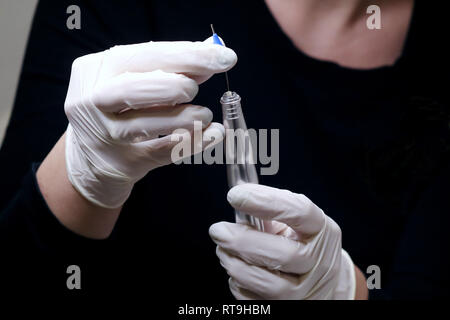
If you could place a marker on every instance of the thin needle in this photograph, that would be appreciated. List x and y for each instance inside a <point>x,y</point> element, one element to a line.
<point>226,73</point>
<point>226,79</point>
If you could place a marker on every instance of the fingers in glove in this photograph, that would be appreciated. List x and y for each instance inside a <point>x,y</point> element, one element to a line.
<point>147,124</point>
<point>275,227</point>
<point>213,135</point>
<point>210,137</point>
<point>194,59</point>
<point>143,90</point>
<point>241,293</point>
<point>260,281</point>
<point>262,249</point>
<point>268,203</point>
<point>160,150</point>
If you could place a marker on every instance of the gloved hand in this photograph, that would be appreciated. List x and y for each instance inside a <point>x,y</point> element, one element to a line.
<point>300,256</point>
<point>120,101</point>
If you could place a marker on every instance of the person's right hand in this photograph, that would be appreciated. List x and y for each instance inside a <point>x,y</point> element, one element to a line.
<point>122,100</point>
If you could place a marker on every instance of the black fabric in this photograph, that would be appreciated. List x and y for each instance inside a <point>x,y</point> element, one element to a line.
<point>371,148</point>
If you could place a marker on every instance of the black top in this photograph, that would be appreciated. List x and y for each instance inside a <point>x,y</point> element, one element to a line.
<point>371,148</point>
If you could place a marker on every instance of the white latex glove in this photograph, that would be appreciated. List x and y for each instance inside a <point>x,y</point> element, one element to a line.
<point>120,101</point>
<point>299,258</point>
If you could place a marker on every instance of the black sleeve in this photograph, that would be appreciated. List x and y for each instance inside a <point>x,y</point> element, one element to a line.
<point>35,247</point>
<point>421,262</point>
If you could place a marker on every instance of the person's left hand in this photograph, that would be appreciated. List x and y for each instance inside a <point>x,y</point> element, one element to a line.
<point>298,257</point>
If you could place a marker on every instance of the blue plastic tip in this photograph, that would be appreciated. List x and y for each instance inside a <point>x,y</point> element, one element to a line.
<point>216,39</point>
